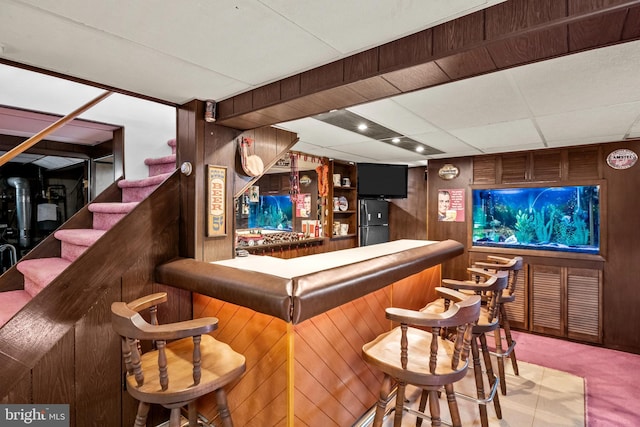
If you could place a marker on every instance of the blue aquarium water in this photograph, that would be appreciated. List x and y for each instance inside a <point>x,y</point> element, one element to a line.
<point>271,213</point>
<point>543,218</point>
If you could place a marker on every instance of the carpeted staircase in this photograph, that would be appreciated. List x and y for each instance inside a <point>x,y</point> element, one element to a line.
<point>38,273</point>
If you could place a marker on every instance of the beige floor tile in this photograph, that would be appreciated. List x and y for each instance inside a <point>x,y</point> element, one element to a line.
<point>538,397</point>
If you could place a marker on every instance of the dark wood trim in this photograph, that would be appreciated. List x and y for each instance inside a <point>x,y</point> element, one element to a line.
<point>502,36</point>
<point>118,153</point>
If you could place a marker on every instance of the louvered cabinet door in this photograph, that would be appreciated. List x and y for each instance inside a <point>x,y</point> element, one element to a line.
<point>518,309</point>
<point>546,293</point>
<point>566,302</point>
<point>584,308</point>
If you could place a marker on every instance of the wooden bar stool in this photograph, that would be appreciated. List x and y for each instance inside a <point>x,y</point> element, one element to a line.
<point>489,288</point>
<point>176,373</point>
<point>513,267</point>
<point>408,355</point>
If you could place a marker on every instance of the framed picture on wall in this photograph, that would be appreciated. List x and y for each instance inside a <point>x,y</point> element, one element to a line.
<point>216,201</point>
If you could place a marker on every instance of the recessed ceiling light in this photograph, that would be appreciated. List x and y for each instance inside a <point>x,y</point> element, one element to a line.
<point>362,126</point>
<point>395,140</point>
<point>420,149</point>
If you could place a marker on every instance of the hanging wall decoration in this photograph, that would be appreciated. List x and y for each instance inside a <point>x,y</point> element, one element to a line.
<point>294,178</point>
<point>251,163</point>
<point>323,184</point>
<point>216,201</point>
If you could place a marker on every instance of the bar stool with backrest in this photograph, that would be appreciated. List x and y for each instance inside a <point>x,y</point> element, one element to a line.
<point>409,355</point>
<point>176,373</point>
<point>513,266</point>
<point>489,287</point>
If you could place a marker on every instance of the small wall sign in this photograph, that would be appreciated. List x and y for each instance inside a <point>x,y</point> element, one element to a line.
<point>216,201</point>
<point>622,159</point>
<point>448,171</point>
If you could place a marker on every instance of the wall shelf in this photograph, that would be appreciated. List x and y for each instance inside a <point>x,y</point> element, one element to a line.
<point>350,215</point>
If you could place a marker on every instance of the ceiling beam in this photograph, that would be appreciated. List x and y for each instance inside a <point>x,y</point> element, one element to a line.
<point>506,35</point>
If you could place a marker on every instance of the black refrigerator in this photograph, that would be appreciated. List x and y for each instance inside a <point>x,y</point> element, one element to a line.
<point>374,222</point>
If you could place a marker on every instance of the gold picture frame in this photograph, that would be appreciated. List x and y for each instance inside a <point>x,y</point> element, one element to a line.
<point>216,201</point>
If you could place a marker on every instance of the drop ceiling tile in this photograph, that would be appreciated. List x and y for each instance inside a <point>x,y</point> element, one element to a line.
<point>594,78</point>
<point>446,143</point>
<point>316,150</point>
<point>333,20</point>
<point>501,135</point>
<point>393,116</point>
<point>467,103</point>
<point>381,152</point>
<point>322,134</point>
<point>462,153</point>
<point>572,142</point>
<point>106,59</point>
<point>514,147</point>
<point>613,121</point>
<point>211,35</point>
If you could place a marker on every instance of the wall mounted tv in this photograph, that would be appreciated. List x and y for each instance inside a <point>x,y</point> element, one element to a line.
<point>382,181</point>
<point>563,218</point>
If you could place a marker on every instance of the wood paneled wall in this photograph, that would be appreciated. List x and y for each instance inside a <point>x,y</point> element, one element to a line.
<point>62,347</point>
<point>408,217</point>
<point>202,143</point>
<point>619,235</point>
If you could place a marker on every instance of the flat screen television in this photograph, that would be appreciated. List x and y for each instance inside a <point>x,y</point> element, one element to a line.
<point>382,181</point>
<point>559,218</point>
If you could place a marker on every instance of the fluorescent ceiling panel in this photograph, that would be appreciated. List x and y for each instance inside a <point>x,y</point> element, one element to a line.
<point>52,162</point>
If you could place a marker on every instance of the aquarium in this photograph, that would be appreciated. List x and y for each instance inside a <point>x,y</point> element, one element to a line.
<point>543,218</point>
<point>271,213</point>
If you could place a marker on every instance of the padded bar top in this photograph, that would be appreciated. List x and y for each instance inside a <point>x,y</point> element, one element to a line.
<point>297,289</point>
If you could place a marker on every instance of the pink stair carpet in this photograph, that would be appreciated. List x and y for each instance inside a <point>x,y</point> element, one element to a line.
<point>38,273</point>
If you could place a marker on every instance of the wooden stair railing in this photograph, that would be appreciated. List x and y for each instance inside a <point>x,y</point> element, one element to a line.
<point>6,157</point>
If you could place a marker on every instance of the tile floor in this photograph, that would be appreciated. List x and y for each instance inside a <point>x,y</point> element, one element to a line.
<point>538,397</point>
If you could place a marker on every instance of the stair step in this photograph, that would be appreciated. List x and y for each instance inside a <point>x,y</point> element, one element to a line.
<point>137,190</point>
<point>106,215</point>
<point>12,302</point>
<point>75,241</point>
<point>161,165</point>
<point>38,273</point>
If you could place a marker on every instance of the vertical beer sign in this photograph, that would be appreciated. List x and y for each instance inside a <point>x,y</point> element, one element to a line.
<point>216,204</point>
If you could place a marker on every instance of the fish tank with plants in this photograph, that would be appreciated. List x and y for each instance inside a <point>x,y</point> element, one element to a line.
<point>563,218</point>
<point>271,213</point>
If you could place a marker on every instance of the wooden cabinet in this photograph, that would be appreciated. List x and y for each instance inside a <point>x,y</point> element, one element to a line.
<point>342,201</point>
<point>566,301</point>
<point>559,297</point>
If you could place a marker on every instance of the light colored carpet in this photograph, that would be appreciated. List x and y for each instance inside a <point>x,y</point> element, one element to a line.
<point>538,397</point>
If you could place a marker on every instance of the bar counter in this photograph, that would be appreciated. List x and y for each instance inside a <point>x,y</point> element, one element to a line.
<point>301,323</point>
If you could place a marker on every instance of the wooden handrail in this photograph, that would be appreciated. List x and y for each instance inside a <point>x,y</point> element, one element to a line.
<point>9,155</point>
